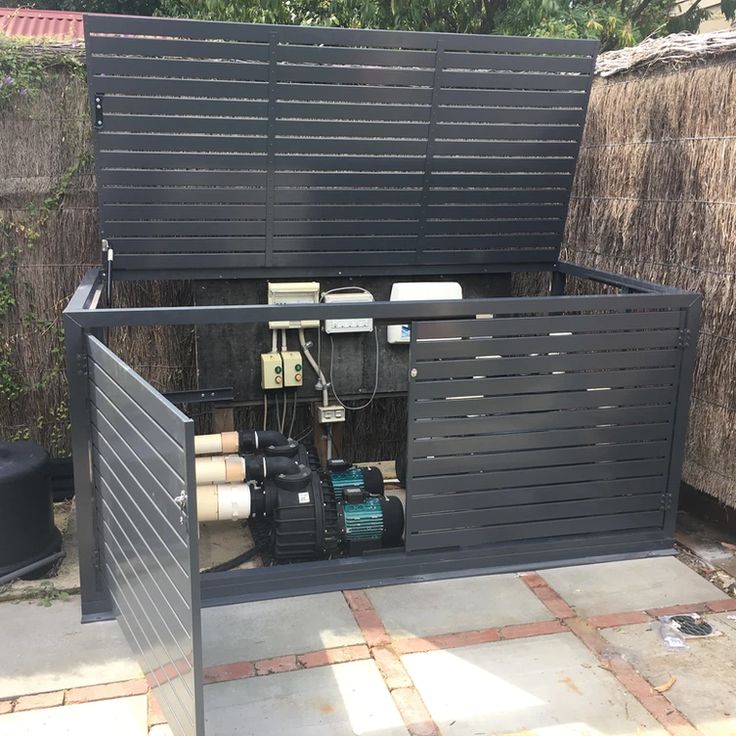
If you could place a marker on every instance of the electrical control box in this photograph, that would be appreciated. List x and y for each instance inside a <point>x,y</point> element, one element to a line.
<point>294,292</point>
<point>353,324</point>
<point>330,414</point>
<point>272,371</point>
<point>293,365</point>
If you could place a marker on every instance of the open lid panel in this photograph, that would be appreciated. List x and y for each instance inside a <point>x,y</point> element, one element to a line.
<point>239,150</point>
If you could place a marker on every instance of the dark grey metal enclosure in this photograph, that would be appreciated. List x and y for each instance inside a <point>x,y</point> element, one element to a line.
<point>542,429</point>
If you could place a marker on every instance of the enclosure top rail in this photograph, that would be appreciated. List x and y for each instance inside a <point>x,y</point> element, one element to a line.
<point>409,310</point>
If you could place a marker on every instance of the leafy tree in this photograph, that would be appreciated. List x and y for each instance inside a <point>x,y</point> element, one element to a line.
<point>616,23</point>
<point>127,7</point>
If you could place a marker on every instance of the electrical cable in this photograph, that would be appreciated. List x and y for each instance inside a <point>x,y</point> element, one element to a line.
<point>315,366</point>
<point>282,424</point>
<point>375,381</point>
<point>284,348</point>
<point>265,411</point>
<point>274,341</point>
<point>277,413</point>
<point>246,556</point>
<point>293,417</point>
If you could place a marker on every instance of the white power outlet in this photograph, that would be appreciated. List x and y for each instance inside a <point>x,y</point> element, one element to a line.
<point>350,324</point>
<point>330,414</point>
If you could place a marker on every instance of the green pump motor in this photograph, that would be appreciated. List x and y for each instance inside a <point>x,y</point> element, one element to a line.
<point>367,519</point>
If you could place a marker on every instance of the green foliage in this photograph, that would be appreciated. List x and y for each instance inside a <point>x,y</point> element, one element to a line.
<point>128,7</point>
<point>24,70</point>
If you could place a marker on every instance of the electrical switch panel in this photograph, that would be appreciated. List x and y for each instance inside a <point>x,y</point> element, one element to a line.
<point>297,292</point>
<point>272,371</point>
<point>293,374</point>
<point>330,414</point>
<point>352,324</point>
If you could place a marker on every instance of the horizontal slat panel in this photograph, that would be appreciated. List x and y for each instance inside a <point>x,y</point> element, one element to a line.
<point>348,163</point>
<point>545,344</point>
<point>184,245</point>
<point>111,142</point>
<point>357,197</point>
<point>338,245</point>
<point>143,109</point>
<point>179,87</point>
<point>372,146</point>
<point>501,164</point>
<point>181,124</point>
<point>503,80</point>
<point>452,137</point>
<point>179,161</point>
<point>494,197</point>
<point>190,178</point>
<point>504,148</point>
<point>530,530</point>
<point>544,402</point>
<point>357,93</point>
<point>187,49</point>
<point>524,514</point>
<point>523,113</point>
<point>327,258</point>
<point>180,195</point>
<point>536,476</point>
<point>184,211</point>
<point>359,111</point>
<point>159,261</point>
<point>534,495</point>
<point>517,62</point>
<point>350,128</point>
<point>543,363</point>
<point>544,325</point>
<point>355,227</point>
<point>347,211</point>
<point>150,228</point>
<point>492,227</point>
<point>525,98</point>
<point>337,179</point>
<point>356,56</point>
<point>494,211</point>
<point>535,439</point>
<point>539,458</point>
<point>179,69</point>
<point>511,255</point>
<point>411,79</point>
<point>538,422</point>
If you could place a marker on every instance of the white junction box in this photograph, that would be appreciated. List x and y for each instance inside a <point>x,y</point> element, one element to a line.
<point>353,324</point>
<point>294,292</point>
<point>410,291</point>
<point>330,414</point>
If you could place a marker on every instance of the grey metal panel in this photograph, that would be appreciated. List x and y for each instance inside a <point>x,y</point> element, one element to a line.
<point>142,460</point>
<point>536,424</point>
<point>431,119</point>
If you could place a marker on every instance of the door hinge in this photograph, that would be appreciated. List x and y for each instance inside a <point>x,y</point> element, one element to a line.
<point>99,112</point>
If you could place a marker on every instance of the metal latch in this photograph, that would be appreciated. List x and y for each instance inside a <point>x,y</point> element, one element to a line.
<point>181,502</point>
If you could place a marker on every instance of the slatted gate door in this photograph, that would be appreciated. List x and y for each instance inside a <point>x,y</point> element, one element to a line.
<point>541,425</point>
<point>142,449</point>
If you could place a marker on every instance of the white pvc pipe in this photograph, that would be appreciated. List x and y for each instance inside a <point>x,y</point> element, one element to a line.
<point>220,469</point>
<point>223,502</point>
<point>223,443</point>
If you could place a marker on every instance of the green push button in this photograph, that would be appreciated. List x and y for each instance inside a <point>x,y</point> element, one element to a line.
<point>277,369</point>
<point>298,367</point>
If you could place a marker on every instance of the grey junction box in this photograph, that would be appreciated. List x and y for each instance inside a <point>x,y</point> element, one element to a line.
<point>541,430</point>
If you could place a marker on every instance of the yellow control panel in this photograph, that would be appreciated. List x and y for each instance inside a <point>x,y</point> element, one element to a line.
<point>293,364</point>
<point>272,371</point>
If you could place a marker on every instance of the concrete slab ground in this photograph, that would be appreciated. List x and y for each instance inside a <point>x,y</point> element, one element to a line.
<point>119,717</point>
<point>705,675</point>
<point>47,648</point>
<point>270,628</point>
<point>550,686</point>
<point>465,604</point>
<point>343,699</point>
<point>629,585</point>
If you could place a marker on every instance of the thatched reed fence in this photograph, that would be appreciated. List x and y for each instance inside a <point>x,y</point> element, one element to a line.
<point>48,239</point>
<point>655,197</point>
